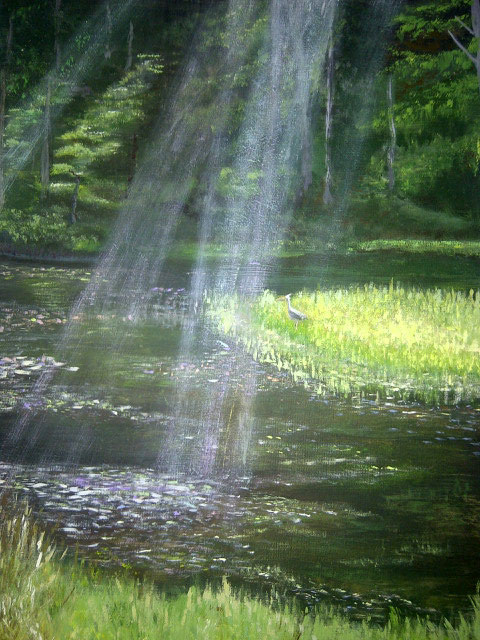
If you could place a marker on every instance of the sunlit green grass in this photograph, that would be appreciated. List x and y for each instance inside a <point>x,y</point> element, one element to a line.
<point>42,597</point>
<point>192,250</point>
<point>446,247</point>
<point>365,338</point>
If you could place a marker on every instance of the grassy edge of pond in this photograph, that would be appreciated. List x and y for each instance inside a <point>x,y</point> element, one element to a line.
<point>189,249</point>
<point>446,247</point>
<point>44,596</point>
<point>387,340</point>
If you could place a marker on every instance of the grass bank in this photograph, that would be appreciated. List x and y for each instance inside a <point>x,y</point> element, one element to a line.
<point>43,597</point>
<point>382,216</point>
<point>383,340</point>
<point>445,247</point>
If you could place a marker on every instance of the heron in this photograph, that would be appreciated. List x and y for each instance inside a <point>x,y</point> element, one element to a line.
<point>295,315</point>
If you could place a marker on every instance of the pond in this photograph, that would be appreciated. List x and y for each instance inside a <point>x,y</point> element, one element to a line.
<point>347,500</point>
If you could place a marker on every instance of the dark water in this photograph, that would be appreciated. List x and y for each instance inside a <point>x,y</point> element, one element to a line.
<point>350,500</point>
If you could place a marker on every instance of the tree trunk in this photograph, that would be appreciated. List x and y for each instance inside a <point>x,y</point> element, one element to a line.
<point>327,194</point>
<point>133,163</point>
<point>45,156</point>
<point>58,22</point>
<point>108,49</point>
<point>45,159</point>
<point>3,96</point>
<point>476,31</point>
<point>307,156</point>
<point>393,136</point>
<point>128,64</point>
<point>73,210</point>
<point>306,159</point>
<point>478,67</point>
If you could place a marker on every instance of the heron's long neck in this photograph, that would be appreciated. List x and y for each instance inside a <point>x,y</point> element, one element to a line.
<point>289,305</point>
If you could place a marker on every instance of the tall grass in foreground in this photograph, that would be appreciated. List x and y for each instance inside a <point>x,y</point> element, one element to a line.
<point>365,338</point>
<point>42,597</point>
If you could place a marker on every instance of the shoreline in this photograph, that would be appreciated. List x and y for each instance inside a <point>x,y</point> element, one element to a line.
<point>48,258</point>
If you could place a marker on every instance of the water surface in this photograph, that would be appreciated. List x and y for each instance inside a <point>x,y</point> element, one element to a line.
<point>353,500</point>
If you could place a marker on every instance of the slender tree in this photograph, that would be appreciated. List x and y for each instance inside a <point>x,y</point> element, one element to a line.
<point>108,40</point>
<point>393,135</point>
<point>73,210</point>
<point>128,64</point>
<point>3,96</point>
<point>474,31</point>
<point>45,158</point>
<point>307,156</point>
<point>133,163</point>
<point>327,194</point>
<point>45,155</point>
<point>57,16</point>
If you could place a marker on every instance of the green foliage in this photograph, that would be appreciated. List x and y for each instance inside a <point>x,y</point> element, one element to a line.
<point>95,112</point>
<point>437,118</point>
<point>376,339</point>
<point>424,19</point>
<point>44,597</point>
<point>48,229</point>
<point>86,243</point>
<point>104,133</point>
<point>230,185</point>
<point>436,112</point>
<point>99,149</point>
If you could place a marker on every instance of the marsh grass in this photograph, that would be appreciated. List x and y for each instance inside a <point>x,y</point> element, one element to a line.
<point>26,577</point>
<point>445,247</point>
<point>45,597</point>
<point>371,339</point>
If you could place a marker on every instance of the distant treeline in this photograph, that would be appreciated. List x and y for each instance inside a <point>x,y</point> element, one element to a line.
<point>73,128</point>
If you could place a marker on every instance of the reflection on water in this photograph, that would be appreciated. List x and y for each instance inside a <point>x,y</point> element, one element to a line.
<point>174,529</point>
<point>373,498</point>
